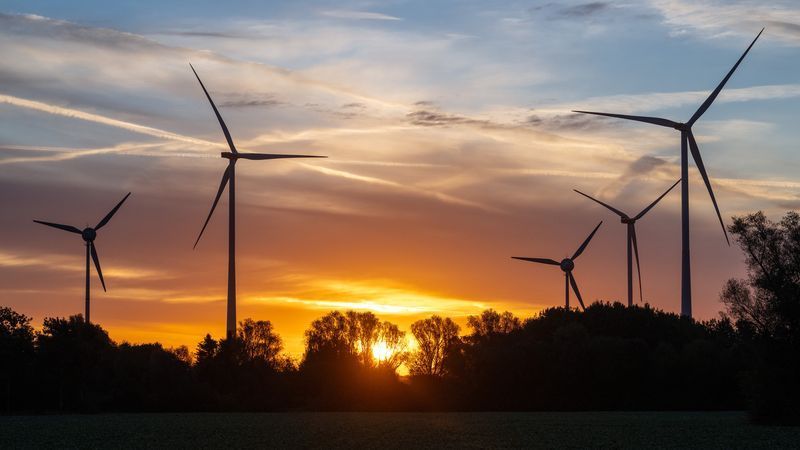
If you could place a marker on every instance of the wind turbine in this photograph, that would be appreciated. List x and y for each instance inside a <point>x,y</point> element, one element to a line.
<point>89,235</point>
<point>229,178</point>
<point>566,264</point>
<point>687,138</point>
<point>631,239</point>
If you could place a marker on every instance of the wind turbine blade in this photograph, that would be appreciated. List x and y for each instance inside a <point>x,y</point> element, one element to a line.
<point>698,160</point>
<point>216,112</point>
<point>653,120</point>
<point>586,242</point>
<point>111,213</point>
<point>575,290</point>
<point>69,228</point>
<point>97,264</point>
<point>636,252</point>
<point>225,177</point>
<point>649,207</point>
<point>538,260</point>
<point>262,156</point>
<point>706,104</point>
<point>615,210</point>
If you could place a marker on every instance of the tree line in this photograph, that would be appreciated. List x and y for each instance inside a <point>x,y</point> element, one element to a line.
<point>609,357</point>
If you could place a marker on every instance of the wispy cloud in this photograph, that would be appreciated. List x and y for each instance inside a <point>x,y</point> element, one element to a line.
<point>77,114</point>
<point>742,18</point>
<point>585,9</point>
<point>632,103</point>
<point>379,296</point>
<point>357,15</point>
<point>65,154</point>
<point>443,197</point>
<point>65,263</point>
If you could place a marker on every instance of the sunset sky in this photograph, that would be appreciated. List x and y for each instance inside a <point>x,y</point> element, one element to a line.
<point>450,141</point>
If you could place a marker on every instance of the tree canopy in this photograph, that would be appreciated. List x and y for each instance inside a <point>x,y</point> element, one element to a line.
<point>607,357</point>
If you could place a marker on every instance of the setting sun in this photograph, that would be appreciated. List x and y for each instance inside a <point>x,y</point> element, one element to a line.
<point>381,352</point>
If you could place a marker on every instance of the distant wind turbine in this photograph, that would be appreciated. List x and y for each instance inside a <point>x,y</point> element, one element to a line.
<point>89,235</point>
<point>229,178</point>
<point>566,264</point>
<point>687,138</point>
<point>631,239</point>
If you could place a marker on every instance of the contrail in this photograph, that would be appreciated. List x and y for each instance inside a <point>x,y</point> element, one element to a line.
<point>65,154</point>
<point>379,181</point>
<point>77,114</point>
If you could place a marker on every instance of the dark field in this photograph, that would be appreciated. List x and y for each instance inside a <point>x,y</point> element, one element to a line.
<point>395,430</point>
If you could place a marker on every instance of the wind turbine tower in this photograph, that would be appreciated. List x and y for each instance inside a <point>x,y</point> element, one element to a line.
<point>229,179</point>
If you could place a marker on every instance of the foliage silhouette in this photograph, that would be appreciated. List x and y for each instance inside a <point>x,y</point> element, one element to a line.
<point>436,339</point>
<point>765,307</point>
<point>16,352</point>
<point>608,357</point>
<point>339,370</point>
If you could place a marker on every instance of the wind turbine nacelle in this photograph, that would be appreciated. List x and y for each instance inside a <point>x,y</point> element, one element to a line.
<point>228,155</point>
<point>88,234</point>
<point>567,265</point>
<point>626,220</point>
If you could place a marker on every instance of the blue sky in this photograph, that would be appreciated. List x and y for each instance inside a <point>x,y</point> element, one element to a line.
<point>450,138</point>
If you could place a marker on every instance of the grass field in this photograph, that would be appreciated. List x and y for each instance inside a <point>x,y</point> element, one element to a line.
<point>396,430</point>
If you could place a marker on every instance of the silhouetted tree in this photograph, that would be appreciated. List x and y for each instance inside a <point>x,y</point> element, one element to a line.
<point>73,359</point>
<point>339,370</point>
<point>766,307</point>
<point>435,338</point>
<point>259,341</point>
<point>147,377</point>
<point>394,346</point>
<point>352,334</point>
<point>248,372</point>
<point>769,299</point>
<point>183,354</point>
<point>365,329</point>
<point>607,357</point>
<point>331,334</point>
<point>491,322</point>
<point>16,353</point>
<point>206,350</point>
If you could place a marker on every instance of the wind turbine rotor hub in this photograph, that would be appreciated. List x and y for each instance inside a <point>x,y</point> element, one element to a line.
<point>626,220</point>
<point>228,155</point>
<point>567,265</point>
<point>681,127</point>
<point>88,234</point>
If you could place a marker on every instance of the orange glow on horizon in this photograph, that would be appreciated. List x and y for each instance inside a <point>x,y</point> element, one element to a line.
<point>290,314</point>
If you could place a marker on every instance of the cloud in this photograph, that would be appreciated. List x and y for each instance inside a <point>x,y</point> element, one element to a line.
<point>585,9</point>
<point>77,114</point>
<point>426,118</point>
<point>721,19</point>
<point>202,34</point>
<point>357,15</point>
<point>131,60</point>
<point>65,154</point>
<point>250,100</point>
<point>632,103</point>
<point>65,263</point>
<point>567,122</point>
<point>640,168</point>
<point>440,196</point>
<point>381,296</point>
